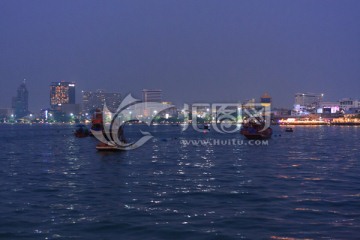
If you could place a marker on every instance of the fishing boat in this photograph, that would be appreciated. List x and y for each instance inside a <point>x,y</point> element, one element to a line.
<point>105,147</point>
<point>81,131</point>
<point>289,129</point>
<point>253,131</point>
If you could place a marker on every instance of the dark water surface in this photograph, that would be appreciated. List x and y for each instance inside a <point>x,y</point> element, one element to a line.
<point>302,185</point>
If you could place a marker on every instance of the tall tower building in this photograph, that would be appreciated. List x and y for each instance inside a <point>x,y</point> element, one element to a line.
<point>265,99</point>
<point>61,93</point>
<point>20,103</point>
<point>152,95</point>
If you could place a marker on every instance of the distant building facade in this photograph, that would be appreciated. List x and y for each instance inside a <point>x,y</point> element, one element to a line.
<point>20,103</point>
<point>93,100</point>
<point>71,109</point>
<point>152,95</point>
<point>6,113</point>
<point>308,99</point>
<point>61,93</point>
<point>347,104</point>
<point>306,103</point>
<point>151,98</point>
<point>328,108</point>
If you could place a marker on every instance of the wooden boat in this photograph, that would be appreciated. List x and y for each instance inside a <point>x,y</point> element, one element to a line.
<point>106,147</point>
<point>81,131</point>
<point>253,131</point>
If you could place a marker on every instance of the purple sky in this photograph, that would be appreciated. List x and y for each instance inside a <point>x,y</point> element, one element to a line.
<point>213,51</point>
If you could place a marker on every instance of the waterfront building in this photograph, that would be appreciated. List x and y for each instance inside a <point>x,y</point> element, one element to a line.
<point>61,93</point>
<point>349,104</point>
<point>308,100</point>
<point>20,103</point>
<point>328,108</point>
<point>6,113</point>
<point>306,103</point>
<point>279,112</point>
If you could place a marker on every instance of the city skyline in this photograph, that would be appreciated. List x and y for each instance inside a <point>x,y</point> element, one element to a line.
<point>205,51</point>
<point>153,95</point>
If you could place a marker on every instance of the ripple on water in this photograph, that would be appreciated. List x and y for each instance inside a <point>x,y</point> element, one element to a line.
<point>299,186</point>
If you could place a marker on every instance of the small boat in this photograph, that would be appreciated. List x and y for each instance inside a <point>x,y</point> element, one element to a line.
<point>289,129</point>
<point>204,127</point>
<point>81,131</point>
<point>253,131</point>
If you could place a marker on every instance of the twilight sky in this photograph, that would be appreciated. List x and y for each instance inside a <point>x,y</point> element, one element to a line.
<point>195,51</point>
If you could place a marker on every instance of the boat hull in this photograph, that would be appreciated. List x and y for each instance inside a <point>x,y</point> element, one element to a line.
<point>256,135</point>
<point>81,131</point>
<point>105,147</point>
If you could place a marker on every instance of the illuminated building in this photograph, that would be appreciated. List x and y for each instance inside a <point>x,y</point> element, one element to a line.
<point>328,108</point>
<point>309,100</point>
<point>20,103</point>
<point>61,93</point>
<point>306,103</point>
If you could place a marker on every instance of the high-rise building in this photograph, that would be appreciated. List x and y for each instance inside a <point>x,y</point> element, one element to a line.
<point>151,98</point>
<point>20,103</point>
<point>152,95</point>
<point>309,101</point>
<point>61,93</point>
<point>93,100</point>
